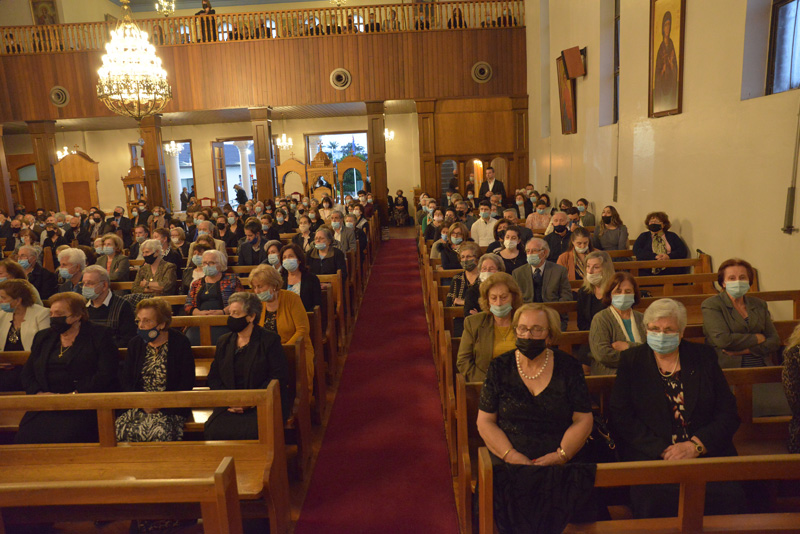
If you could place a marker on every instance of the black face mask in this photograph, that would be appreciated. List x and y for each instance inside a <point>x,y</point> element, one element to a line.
<point>59,324</point>
<point>150,260</point>
<point>15,231</point>
<point>460,213</point>
<point>559,228</point>
<point>654,227</point>
<point>51,233</point>
<point>606,219</point>
<point>117,214</point>
<point>97,221</point>
<point>221,226</point>
<point>237,324</point>
<point>531,348</point>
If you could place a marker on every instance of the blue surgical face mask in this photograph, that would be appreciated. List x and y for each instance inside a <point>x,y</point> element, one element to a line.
<point>210,270</point>
<point>258,209</point>
<point>350,225</point>
<point>197,260</point>
<point>444,237</point>
<point>622,302</point>
<point>581,208</point>
<point>60,223</point>
<point>265,296</point>
<point>737,288</point>
<point>485,214</point>
<point>534,259</point>
<point>147,335</point>
<point>291,264</point>
<point>108,251</point>
<point>456,240</point>
<point>89,293</point>
<point>336,225</point>
<point>99,251</point>
<point>663,343</point>
<point>540,212</point>
<point>64,273</point>
<point>279,219</point>
<point>231,220</point>
<point>500,311</point>
<point>272,259</point>
<point>264,227</point>
<point>24,263</point>
<point>3,278</point>
<point>320,246</point>
<point>6,307</point>
<point>201,232</point>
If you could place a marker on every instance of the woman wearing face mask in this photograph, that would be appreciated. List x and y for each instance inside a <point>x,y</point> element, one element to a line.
<point>326,209</point>
<point>53,238</point>
<point>282,223</point>
<point>599,270</point>
<point>247,357</point>
<point>587,218</point>
<point>20,320</point>
<point>156,276</point>
<point>464,281</point>
<point>72,356</point>
<point>195,270</point>
<point>113,260</point>
<point>738,326</point>
<point>446,249</point>
<point>209,295</point>
<point>298,279</point>
<point>610,234</point>
<point>658,243</point>
<point>488,264</point>
<point>574,260</point>
<point>273,249</point>
<point>523,205</point>
<point>325,258</point>
<point>305,235</point>
<point>159,358</point>
<point>434,228</point>
<point>512,251</point>
<point>489,334</point>
<point>283,312</point>
<point>401,217</point>
<point>670,401</point>
<point>618,327</point>
<point>225,233</point>
<point>235,222</point>
<point>540,218</point>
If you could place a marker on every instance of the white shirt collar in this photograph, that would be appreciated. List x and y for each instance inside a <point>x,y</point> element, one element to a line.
<point>105,302</point>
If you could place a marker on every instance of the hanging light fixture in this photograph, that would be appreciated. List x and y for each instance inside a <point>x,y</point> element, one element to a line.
<point>284,143</point>
<point>165,7</point>
<point>388,134</point>
<point>131,81</point>
<point>338,3</point>
<point>173,149</point>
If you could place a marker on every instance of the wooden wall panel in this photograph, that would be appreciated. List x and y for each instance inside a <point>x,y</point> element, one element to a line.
<point>282,72</point>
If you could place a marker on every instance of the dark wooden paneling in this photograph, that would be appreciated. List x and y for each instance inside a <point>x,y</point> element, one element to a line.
<point>396,66</point>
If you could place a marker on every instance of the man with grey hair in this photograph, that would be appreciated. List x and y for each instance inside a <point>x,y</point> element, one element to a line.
<point>105,308</point>
<point>72,262</point>
<point>559,239</point>
<point>118,221</point>
<point>343,238</point>
<point>207,228</point>
<point>542,280</point>
<point>45,282</point>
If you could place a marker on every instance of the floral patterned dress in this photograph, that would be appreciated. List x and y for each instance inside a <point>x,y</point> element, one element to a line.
<point>673,389</point>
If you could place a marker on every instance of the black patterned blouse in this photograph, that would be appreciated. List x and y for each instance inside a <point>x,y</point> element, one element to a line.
<point>673,389</point>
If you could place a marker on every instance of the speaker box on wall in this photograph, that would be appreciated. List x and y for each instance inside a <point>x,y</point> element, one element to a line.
<point>573,62</point>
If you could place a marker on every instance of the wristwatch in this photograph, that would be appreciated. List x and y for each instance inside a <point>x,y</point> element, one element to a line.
<point>699,448</point>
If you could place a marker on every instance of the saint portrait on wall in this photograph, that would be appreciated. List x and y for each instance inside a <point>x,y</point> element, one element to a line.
<point>44,12</point>
<point>666,57</point>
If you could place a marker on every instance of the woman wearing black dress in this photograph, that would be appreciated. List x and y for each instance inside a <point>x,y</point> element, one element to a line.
<point>72,356</point>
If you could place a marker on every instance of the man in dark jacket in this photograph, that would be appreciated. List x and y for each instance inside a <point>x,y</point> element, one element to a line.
<point>118,221</point>
<point>251,251</point>
<point>490,187</point>
<point>241,195</point>
<point>43,280</point>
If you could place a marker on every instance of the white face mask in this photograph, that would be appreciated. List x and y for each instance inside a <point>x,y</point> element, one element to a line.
<point>510,244</point>
<point>175,240</point>
<point>582,250</point>
<point>594,278</point>
<point>484,275</point>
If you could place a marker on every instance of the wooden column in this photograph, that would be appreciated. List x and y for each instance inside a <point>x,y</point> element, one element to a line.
<point>43,138</point>
<point>261,119</point>
<point>376,158</point>
<point>429,182</point>
<point>155,173</point>
<point>6,199</point>
<point>518,171</point>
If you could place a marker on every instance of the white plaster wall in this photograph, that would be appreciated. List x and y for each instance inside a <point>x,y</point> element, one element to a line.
<point>88,10</point>
<point>720,169</point>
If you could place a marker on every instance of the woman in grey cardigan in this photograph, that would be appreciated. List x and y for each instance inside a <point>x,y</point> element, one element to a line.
<point>618,327</point>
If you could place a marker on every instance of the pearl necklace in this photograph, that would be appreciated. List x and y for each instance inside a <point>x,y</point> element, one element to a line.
<point>541,369</point>
<point>674,368</point>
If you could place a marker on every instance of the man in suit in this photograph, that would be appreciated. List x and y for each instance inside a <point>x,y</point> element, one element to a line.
<point>252,250</point>
<point>343,238</point>
<point>541,280</point>
<point>45,282</point>
<point>490,186</point>
<point>118,221</point>
<point>5,226</point>
<point>81,233</point>
<point>184,199</point>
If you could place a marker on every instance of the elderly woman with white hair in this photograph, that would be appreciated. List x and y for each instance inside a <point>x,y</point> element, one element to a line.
<point>45,282</point>
<point>72,262</point>
<point>488,264</point>
<point>671,402</point>
<point>156,277</point>
<point>209,295</point>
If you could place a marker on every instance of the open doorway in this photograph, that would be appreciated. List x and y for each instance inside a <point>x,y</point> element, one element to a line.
<point>233,162</point>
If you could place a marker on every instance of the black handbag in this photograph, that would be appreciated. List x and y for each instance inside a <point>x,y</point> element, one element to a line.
<point>601,446</point>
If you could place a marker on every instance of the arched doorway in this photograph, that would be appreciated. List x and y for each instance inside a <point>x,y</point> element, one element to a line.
<point>448,171</point>
<point>474,174</point>
<point>292,183</point>
<point>500,166</point>
<point>352,182</point>
<point>28,192</point>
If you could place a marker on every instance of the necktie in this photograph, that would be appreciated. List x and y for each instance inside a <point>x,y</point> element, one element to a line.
<point>537,285</point>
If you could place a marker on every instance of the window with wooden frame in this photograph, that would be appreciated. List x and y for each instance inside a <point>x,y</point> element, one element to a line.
<point>783,66</point>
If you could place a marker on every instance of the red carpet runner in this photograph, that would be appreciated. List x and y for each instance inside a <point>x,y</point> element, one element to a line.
<point>383,465</point>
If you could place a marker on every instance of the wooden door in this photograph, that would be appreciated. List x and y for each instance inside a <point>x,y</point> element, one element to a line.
<point>218,172</point>
<point>28,195</point>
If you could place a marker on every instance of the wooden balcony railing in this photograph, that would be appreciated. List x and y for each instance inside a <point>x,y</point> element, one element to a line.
<point>302,23</point>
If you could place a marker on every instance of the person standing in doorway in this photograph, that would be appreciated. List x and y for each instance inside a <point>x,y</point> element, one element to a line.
<point>241,194</point>
<point>491,186</point>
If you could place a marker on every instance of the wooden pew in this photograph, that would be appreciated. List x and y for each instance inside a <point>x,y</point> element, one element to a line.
<point>677,284</point>
<point>261,475</point>
<point>468,442</point>
<point>329,338</point>
<point>320,375</point>
<point>215,491</point>
<point>337,284</point>
<point>699,265</point>
<point>692,475</point>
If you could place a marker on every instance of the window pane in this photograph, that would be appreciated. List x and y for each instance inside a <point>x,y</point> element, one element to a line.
<point>784,46</point>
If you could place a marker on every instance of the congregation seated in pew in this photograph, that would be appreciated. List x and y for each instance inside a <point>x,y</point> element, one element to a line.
<point>20,319</point>
<point>512,249</point>
<point>195,269</point>
<point>462,282</point>
<point>589,297</point>
<point>325,258</point>
<point>209,294</point>
<point>112,259</point>
<point>574,259</point>
<point>488,264</point>
<point>105,308</point>
<point>72,262</point>
<point>658,243</point>
<point>611,233</point>
<point>157,276</point>
<point>170,253</point>
<point>273,253</point>
<point>542,280</point>
<point>45,282</point>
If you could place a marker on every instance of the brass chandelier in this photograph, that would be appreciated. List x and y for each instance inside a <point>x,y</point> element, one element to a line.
<point>131,81</point>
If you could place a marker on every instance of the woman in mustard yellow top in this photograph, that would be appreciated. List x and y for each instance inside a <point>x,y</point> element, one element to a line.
<point>283,312</point>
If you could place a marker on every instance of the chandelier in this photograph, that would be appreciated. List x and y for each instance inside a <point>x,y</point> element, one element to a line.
<point>165,7</point>
<point>173,149</point>
<point>63,153</point>
<point>338,3</point>
<point>284,143</point>
<point>388,134</point>
<point>131,81</point>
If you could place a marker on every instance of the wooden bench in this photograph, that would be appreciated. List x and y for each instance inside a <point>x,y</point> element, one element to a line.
<point>261,476</point>
<point>676,284</point>
<point>336,283</point>
<point>215,491</point>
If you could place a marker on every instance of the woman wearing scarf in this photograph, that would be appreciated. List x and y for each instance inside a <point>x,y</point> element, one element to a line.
<point>658,243</point>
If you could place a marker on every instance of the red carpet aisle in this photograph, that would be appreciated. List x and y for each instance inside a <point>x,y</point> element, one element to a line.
<point>383,465</point>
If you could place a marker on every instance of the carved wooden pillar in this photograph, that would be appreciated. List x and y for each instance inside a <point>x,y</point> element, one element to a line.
<point>43,138</point>
<point>263,148</point>
<point>376,158</point>
<point>429,182</point>
<point>155,173</point>
<point>6,199</point>
<point>518,175</point>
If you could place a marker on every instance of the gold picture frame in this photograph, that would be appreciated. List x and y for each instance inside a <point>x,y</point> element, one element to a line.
<point>44,12</point>
<point>667,30</point>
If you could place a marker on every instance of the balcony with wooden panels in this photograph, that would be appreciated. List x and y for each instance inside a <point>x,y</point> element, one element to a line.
<point>279,58</point>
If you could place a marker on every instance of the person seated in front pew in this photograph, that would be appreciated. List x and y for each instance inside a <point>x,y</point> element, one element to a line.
<point>45,282</point>
<point>247,357</point>
<point>488,264</point>
<point>113,260</point>
<point>489,333</point>
<point>658,243</point>
<point>157,276</point>
<point>670,401</point>
<point>574,259</point>
<point>195,270</point>
<point>209,295</point>
<point>535,410</point>
<point>72,356</point>
<point>618,327</point>
<point>325,259</point>
<point>283,313</point>
<point>72,262</point>
<point>297,278</point>
<point>791,387</point>
<point>611,233</point>
<point>159,358</point>
<point>461,283</point>
<point>105,308</point>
